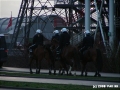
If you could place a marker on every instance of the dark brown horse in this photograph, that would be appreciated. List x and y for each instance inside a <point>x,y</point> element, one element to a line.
<point>39,54</point>
<point>54,46</point>
<point>91,55</point>
<point>69,57</point>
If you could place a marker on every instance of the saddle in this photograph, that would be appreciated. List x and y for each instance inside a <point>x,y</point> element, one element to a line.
<point>32,49</point>
<point>59,51</point>
<point>83,51</point>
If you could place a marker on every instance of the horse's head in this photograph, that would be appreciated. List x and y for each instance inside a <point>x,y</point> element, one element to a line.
<point>27,45</point>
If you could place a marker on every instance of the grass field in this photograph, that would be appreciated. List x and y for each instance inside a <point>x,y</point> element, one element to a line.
<point>46,86</point>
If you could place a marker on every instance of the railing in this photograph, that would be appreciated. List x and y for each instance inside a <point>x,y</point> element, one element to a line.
<point>76,38</point>
<point>117,21</point>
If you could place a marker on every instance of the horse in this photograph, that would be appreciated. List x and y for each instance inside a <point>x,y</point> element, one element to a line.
<point>39,54</point>
<point>69,57</point>
<point>54,45</point>
<point>92,54</point>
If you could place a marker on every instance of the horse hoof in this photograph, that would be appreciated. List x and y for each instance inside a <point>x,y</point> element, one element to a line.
<point>54,73</point>
<point>70,74</point>
<point>31,72</point>
<point>61,74</point>
<point>37,72</point>
<point>49,73</point>
<point>99,75</point>
<point>95,75</point>
<point>86,75</point>
<point>81,74</point>
<point>74,74</point>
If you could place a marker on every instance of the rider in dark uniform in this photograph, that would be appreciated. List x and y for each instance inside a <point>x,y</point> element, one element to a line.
<point>64,40</point>
<point>88,41</point>
<point>37,40</point>
<point>56,36</point>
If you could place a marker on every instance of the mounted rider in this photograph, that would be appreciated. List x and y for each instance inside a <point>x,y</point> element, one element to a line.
<point>64,40</point>
<point>37,40</point>
<point>88,41</point>
<point>56,36</point>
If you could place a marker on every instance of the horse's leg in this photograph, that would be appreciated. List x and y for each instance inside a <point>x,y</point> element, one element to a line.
<point>50,66</point>
<point>97,72</point>
<point>70,70</point>
<point>54,71</point>
<point>99,75</point>
<point>52,56</point>
<point>76,61</point>
<point>60,68</point>
<point>71,65</point>
<point>82,71</point>
<point>30,65</point>
<point>75,65</point>
<point>37,66</point>
<point>83,68</point>
<point>50,70</point>
<point>53,64</point>
<point>85,71</point>
<point>75,68</point>
<point>59,71</point>
<point>99,62</point>
<point>63,68</point>
<point>63,71</point>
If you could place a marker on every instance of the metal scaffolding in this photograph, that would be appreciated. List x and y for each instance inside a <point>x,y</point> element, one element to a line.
<point>71,11</point>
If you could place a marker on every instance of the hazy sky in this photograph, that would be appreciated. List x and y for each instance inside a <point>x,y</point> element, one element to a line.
<point>6,6</point>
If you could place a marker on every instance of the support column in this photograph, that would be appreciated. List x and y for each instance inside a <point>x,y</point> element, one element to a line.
<point>111,24</point>
<point>87,14</point>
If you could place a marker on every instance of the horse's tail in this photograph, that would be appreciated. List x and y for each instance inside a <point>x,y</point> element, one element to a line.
<point>99,60</point>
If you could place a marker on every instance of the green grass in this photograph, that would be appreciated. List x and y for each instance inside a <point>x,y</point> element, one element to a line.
<point>49,86</point>
<point>112,79</point>
<point>53,86</point>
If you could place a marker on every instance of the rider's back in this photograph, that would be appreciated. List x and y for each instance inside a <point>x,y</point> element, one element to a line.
<point>56,37</point>
<point>38,39</point>
<point>88,41</point>
<point>64,38</point>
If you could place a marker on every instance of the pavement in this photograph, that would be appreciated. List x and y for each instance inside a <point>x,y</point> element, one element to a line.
<point>26,70</point>
<point>59,81</point>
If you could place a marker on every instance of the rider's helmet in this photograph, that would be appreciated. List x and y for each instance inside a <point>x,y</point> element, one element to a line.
<point>38,31</point>
<point>87,32</point>
<point>56,31</point>
<point>64,30</point>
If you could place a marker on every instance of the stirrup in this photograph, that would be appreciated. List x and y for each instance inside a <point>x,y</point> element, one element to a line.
<point>30,50</point>
<point>57,58</point>
<point>30,56</point>
<point>57,52</point>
